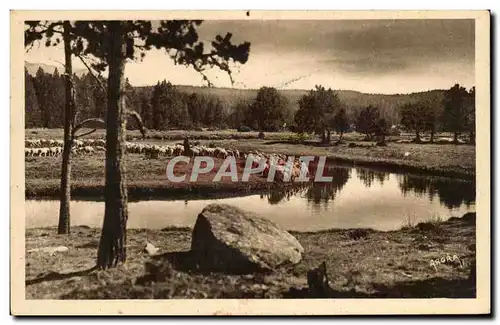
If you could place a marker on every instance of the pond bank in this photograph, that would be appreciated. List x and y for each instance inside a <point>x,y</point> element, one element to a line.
<point>146,178</point>
<point>456,161</point>
<point>361,264</point>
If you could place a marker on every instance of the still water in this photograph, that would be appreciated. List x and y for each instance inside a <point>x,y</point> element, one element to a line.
<point>357,197</point>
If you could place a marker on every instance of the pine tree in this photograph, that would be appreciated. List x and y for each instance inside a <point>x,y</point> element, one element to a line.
<point>32,111</point>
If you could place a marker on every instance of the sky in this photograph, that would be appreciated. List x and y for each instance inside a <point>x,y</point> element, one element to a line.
<point>371,56</point>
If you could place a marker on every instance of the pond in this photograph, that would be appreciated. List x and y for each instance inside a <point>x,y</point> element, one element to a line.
<point>356,198</point>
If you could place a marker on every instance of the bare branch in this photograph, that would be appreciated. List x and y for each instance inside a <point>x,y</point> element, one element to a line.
<point>139,121</point>
<point>75,116</point>
<point>91,73</point>
<point>83,134</point>
<point>82,124</point>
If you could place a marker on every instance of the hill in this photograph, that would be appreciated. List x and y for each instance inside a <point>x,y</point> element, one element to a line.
<point>352,99</point>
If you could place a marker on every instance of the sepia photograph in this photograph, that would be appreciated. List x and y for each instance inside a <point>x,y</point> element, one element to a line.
<point>231,162</point>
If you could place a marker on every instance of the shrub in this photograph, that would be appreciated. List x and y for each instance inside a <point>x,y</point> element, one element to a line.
<point>244,128</point>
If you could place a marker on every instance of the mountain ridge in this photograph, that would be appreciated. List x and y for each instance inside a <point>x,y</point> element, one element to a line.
<point>353,99</point>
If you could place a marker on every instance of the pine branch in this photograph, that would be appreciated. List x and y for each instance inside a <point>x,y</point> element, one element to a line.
<point>91,73</point>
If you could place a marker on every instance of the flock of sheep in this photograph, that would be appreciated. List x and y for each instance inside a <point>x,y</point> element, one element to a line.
<point>49,148</point>
<point>52,148</point>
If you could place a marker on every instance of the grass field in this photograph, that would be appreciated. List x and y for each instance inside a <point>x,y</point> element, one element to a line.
<point>372,264</point>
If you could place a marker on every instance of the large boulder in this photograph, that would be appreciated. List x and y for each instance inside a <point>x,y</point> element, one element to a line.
<point>228,239</point>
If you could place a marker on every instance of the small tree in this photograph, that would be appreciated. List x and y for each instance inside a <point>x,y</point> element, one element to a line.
<point>412,118</point>
<point>317,111</point>
<point>367,121</point>
<point>471,115</point>
<point>268,110</point>
<point>456,115</point>
<point>381,130</point>
<point>341,122</point>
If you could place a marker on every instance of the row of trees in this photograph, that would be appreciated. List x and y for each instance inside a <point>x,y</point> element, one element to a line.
<point>455,114</point>
<point>320,111</point>
<point>163,107</point>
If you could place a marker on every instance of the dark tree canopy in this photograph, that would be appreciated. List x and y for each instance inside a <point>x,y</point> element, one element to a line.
<point>457,110</point>
<point>317,110</point>
<point>367,121</point>
<point>269,110</point>
<point>178,38</point>
<point>341,121</point>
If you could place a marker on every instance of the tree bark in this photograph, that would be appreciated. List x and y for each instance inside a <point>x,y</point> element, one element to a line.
<point>65,191</point>
<point>328,136</point>
<point>112,246</point>
<point>455,137</point>
<point>432,136</point>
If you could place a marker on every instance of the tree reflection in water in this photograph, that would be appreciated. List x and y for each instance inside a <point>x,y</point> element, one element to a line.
<point>451,193</point>
<point>368,176</point>
<point>317,193</point>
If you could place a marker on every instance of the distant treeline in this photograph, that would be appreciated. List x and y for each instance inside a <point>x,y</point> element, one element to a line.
<point>165,106</point>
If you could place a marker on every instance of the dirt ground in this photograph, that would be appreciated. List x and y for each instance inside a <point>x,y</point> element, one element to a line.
<point>431,259</point>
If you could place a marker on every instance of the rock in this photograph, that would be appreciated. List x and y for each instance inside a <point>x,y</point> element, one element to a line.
<point>151,249</point>
<point>469,218</point>
<point>228,239</point>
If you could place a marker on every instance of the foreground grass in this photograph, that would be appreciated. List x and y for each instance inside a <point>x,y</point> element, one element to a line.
<point>360,263</point>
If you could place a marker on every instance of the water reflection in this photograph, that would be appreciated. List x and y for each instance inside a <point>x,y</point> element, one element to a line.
<point>356,197</point>
<point>451,194</point>
<point>316,194</point>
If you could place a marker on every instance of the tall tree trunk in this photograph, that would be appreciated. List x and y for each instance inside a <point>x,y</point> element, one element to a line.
<point>328,136</point>
<point>65,192</point>
<point>341,135</point>
<point>432,135</point>
<point>323,137</point>
<point>455,137</point>
<point>112,246</point>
